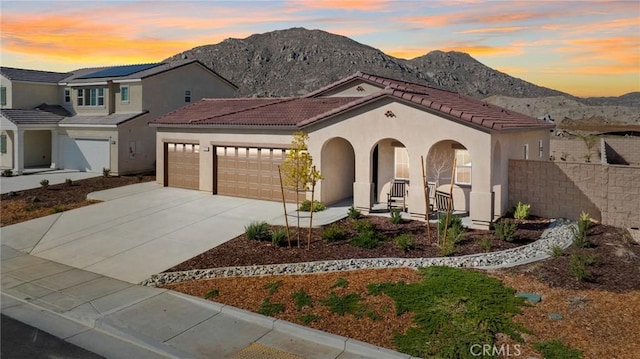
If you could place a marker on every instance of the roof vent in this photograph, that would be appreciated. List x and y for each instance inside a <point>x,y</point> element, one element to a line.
<point>360,89</point>
<point>389,113</point>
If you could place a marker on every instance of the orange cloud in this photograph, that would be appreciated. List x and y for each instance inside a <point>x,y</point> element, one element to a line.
<point>361,5</point>
<point>493,29</point>
<point>407,53</point>
<point>487,51</point>
<point>513,70</point>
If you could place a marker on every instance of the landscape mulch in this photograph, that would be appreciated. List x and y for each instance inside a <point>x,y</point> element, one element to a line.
<point>34,203</point>
<point>241,251</point>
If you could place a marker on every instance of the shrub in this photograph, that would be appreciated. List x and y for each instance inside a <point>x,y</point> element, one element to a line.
<point>522,211</point>
<point>340,283</point>
<point>396,216</point>
<point>366,239</point>
<point>44,183</point>
<point>364,226</point>
<point>212,293</point>
<point>279,237</point>
<point>578,266</point>
<point>485,244</point>
<point>405,242</point>
<point>353,213</point>
<point>448,246</point>
<point>257,231</point>
<point>307,319</point>
<point>68,181</point>
<point>7,173</point>
<point>505,231</point>
<point>454,221</point>
<point>302,299</point>
<point>334,233</point>
<point>305,206</point>
<point>269,309</point>
<point>580,231</point>
<point>106,172</point>
<point>557,251</point>
<point>557,350</point>
<point>273,287</point>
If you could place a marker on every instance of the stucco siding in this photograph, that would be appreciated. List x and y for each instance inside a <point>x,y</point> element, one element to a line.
<point>24,95</point>
<point>134,104</point>
<point>136,146</point>
<point>6,159</point>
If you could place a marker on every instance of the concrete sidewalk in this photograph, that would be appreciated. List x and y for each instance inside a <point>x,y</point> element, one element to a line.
<point>32,180</point>
<point>117,319</point>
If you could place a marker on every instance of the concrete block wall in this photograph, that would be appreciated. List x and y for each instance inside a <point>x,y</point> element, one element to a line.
<point>609,193</point>
<point>572,150</point>
<point>626,147</point>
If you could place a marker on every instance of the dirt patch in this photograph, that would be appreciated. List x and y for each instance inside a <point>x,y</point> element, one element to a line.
<point>34,203</point>
<point>241,251</point>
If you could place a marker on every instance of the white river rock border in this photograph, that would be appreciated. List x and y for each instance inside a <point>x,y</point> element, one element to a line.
<point>557,234</point>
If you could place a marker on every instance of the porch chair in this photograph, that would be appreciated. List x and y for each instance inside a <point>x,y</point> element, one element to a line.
<point>396,198</point>
<point>441,200</point>
<point>431,195</point>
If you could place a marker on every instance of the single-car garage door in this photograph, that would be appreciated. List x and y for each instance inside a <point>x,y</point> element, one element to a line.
<point>250,172</point>
<point>182,167</point>
<point>90,155</point>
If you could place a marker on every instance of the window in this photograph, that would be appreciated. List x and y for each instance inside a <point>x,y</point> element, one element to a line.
<point>67,95</point>
<point>3,143</point>
<point>401,163</point>
<point>526,151</point>
<point>91,97</point>
<point>187,95</point>
<point>463,167</point>
<point>540,148</point>
<point>124,94</point>
<point>3,96</point>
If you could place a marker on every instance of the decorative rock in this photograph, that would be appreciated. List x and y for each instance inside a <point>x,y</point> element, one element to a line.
<point>555,316</point>
<point>535,298</point>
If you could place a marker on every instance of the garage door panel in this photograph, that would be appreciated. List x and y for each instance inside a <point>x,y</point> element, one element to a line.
<point>183,165</point>
<point>90,155</point>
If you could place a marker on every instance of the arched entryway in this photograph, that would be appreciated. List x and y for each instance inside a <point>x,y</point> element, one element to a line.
<point>338,170</point>
<point>439,170</point>
<point>389,162</point>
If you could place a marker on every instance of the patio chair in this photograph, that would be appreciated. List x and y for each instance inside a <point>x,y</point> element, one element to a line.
<point>397,196</point>
<point>431,195</point>
<point>441,201</point>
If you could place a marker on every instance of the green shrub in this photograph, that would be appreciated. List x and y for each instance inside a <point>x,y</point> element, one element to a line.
<point>366,239</point>
<point>405,242</point>
<point>7,173</point>
<point>305,206</point>
<point>340,283</point>
<point>342,304</point>
<point>557,350</point>
<point>257,231</point>
<point>334,233</point>
<point>522,211</point>
<point>68,181</point>
<point>273,287</point>
<point>302,299</point>
<point>106,172</point>
<point>44,183</point>
<point>454,221</point>
<point>485,244</point>
<point>279,237</point>
<point>578,266</point>
<point>448,246</point>
<point>396,216</point>
<point>212,293</point>
<point>505,231</point>
<point>270,309</point>
<point>353,213</point>
<point>580,231</point>
<point>306,319</point>
<point>557,251</point>
<point>364,225</point>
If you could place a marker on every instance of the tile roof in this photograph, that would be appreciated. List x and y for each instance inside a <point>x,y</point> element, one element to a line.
<point>304,111</point>
<point>100,120</point>
<point>49,114</point>
<point>15,74</point>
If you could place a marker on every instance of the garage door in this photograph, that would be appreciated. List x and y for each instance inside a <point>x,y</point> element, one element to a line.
<point>183,165</point>
<point>250,172</point>
<point>87,155</point>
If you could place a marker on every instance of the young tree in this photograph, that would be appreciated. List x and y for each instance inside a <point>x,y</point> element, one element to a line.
<point>299,172</point>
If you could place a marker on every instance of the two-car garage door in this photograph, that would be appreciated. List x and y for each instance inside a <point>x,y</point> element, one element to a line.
<point>90,155</point>
<point>248,172</point>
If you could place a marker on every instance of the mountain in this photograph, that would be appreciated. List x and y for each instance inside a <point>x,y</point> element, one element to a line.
<point>296,61</point>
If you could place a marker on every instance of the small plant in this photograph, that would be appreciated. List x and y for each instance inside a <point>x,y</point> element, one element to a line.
<point>307,319</point>
<point>557,251</point>
<point>340,283</point>
<point>317,206</point>
<point>68,182</point>
<point>56,209</point>
<point>273,287</point>
<point>578,266</point>
<point>342,304</point>
<point>270,309</point>
<point>505,231</point>
<point>522,211</point>
<point>212,293</point>
<point>366,239</point>
<point>257,231</point>
<point>580,231</point>
<point>302,299</point>
<point>485,244</point>
<point>279,237</point>
<point>557,350</point>
<point>106,172</point>
<point>405,242</point>
<point>334,233</point>
<point>353,213</point>
<point>454,221</point>
<point>364,225</point>
<point>7,173</point>
<point>449,245</point>
<point>396,216</point>
<point>44,183</point>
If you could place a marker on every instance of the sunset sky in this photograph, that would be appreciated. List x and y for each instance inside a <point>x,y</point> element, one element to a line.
<point>586,48</point>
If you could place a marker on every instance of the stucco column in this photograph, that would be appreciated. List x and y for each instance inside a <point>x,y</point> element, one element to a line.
<point>18,152</point>
<point>415,201</point>
<point>54,148</point>
<point>481,200</point>
<point>362,187</point>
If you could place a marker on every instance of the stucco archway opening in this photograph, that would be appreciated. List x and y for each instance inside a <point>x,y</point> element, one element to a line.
<point>37,149</point>
<point>389,162</point>
<point>338,168</point>
<point>439,170</point>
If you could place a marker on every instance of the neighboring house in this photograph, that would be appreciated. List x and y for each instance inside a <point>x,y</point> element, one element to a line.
<point>96,118</point>
<point>364,131</point>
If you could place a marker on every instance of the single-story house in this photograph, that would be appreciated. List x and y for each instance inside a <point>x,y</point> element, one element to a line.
<point>364,132</point>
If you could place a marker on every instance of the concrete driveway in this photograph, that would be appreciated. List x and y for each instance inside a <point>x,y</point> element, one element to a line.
<point>32,180</point>
<point>139,234</point>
